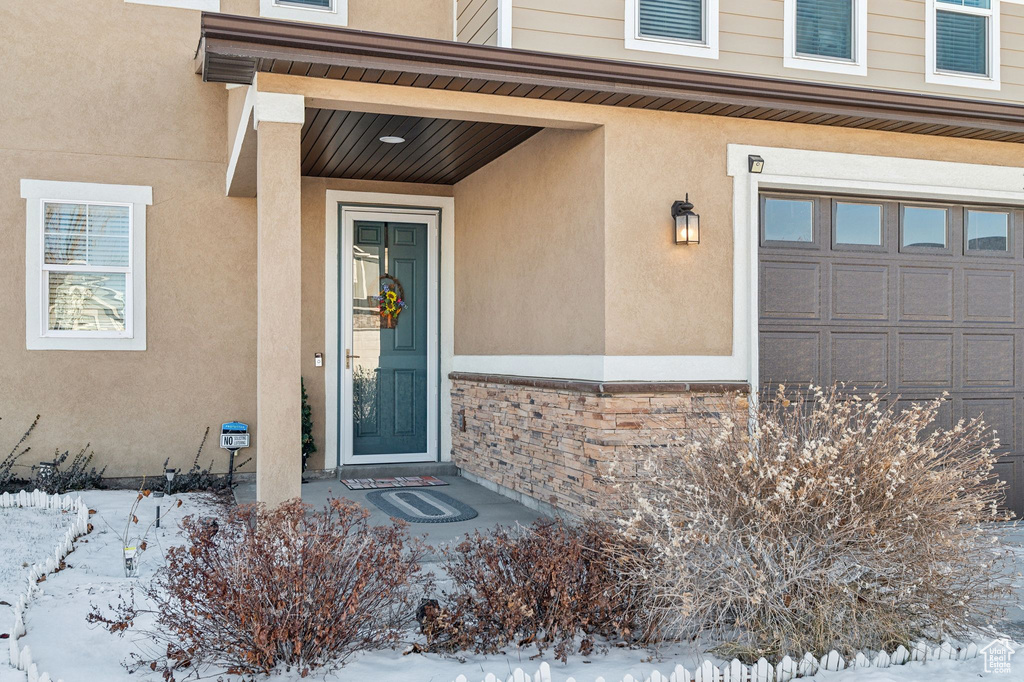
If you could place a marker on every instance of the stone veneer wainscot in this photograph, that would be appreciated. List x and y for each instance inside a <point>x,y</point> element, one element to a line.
<point>554,442</point>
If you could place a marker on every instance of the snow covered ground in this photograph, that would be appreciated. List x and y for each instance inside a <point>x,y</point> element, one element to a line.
<point>67,647</point>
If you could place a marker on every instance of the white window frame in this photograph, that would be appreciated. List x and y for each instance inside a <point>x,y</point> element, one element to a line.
<point>201,5</point>
<point>337,15</point>
<point>37,193</point>
<point>857,67</point>
<point>706,50</point>
<point>932,75</point>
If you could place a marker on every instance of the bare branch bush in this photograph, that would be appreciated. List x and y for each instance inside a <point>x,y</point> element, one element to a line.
<point>8,480</point>
<point>550,585</point>
<point>277,588</point>
<point>833,522</point>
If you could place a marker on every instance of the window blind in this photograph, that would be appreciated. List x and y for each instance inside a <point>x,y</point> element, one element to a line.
<point>87,253</point>
<point>824,28</point>
<point>318,4</point>
<point>961,43</point>
<point>675,19</point>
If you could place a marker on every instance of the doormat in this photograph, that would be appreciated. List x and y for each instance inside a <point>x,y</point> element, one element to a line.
<point>397,482</point>
<point>421,506</point>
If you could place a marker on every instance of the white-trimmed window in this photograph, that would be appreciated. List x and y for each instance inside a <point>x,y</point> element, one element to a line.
<point>683,27</point>
<point>334,12</point>
<point>963,43</point>
<point>827,35</point>
<point>85,265</point>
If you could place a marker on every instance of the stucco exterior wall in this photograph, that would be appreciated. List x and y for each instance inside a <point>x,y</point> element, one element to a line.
<point>528,249</point>
<point>423,18</point>
<point>511,213</point>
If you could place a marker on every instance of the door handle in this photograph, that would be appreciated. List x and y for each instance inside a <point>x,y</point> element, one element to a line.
<point>348,358</point>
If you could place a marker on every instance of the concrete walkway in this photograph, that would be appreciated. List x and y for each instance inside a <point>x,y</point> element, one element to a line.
<point>494,509</point>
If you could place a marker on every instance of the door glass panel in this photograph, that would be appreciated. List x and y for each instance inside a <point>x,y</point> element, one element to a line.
<point>859,224</point>
<point>988,231</point>
<point>389,367</point>
<point>788,220</point>
<point>924,227</point>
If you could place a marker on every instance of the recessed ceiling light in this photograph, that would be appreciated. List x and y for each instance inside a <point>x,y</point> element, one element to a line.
<point>392,139</point>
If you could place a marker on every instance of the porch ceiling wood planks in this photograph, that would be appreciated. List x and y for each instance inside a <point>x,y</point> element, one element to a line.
<point>232,49</point>
<point>346,144</point>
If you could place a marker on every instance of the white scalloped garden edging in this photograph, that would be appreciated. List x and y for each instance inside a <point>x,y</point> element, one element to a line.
<point>22,658</point>
<point>763,671</point>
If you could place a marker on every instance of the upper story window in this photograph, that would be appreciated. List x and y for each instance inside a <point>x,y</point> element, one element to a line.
<point>963,43</point>
<point>827,35</point>
<point>683,27</point>
<point>85,277</point>
<point>334,12</point>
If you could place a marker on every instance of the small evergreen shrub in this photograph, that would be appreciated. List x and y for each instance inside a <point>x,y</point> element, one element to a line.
<point>552,585</point>
<point>308,444</point>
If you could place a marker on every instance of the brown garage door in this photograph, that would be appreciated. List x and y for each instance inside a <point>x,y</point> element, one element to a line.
<point>906,297</point>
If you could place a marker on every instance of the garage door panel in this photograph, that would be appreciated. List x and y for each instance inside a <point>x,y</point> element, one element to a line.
<point>999,414</point>
<point>1011,471</point>
<point>860,360</point>
<point>859,292</point>
<point>989,360</point>
<point>925,359</point>
<point>790,358</point>
<point>989,295</point>
<point>926,294</point>
<point>791,290</point>
<point>943,418</point>
<point>909,323</point>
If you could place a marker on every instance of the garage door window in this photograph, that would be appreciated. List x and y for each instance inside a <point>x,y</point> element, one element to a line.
<point>988,231</point>
<point>924,228</point>
<point>858,224</point>
<point>788,220</point>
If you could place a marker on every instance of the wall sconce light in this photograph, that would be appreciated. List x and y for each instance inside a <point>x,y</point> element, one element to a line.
<point>755,163</point>
<point>687,222</point>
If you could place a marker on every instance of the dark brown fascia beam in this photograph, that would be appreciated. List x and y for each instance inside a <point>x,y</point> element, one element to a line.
<point>249,38</point>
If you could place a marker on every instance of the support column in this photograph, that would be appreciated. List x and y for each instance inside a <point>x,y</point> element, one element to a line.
<point>278,120</point>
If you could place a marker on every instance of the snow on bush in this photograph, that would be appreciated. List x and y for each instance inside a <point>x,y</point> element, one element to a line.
<point>277,588</point>
<point>835,523</point>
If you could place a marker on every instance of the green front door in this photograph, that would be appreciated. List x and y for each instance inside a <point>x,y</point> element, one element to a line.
<point>389,359</point>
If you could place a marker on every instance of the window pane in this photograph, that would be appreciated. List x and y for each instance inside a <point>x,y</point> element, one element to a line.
<point>85,234</point>
<point>924,226</point>
<point>824,28</point>
<point>788,220</point>
<point>87,301</point>
<point>983,4</point>
<point>320,4</point>
<point>961,43</point>
<point>988,231</point>
<point>677,19</point>
<point>859,224</point>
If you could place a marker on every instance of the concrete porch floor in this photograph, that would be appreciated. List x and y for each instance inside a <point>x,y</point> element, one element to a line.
<point>494,509</point>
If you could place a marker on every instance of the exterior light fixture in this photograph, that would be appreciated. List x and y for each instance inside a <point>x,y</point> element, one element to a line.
<point>392,139</point>
<point>687,222</point>
<point>169,475</point>
<point>755,163</point>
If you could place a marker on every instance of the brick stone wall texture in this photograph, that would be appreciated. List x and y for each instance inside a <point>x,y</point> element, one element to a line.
<point>559,445</point>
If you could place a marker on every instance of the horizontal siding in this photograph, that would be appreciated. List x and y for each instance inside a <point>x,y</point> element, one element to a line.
<point>478,22</point>
<point>751,41</point>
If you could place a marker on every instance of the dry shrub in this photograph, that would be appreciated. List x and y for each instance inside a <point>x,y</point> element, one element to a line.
<point>550,585</point>
<point>283,587</point>
<point>835,524</point>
